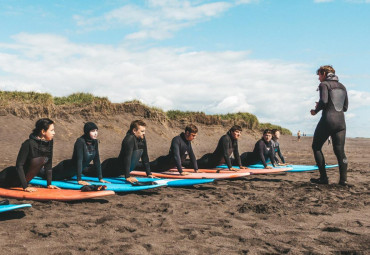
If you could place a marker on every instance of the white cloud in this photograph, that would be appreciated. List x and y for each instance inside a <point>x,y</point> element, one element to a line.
<point>215,82</point>
<point>158,19</point>
<point>323,1</point>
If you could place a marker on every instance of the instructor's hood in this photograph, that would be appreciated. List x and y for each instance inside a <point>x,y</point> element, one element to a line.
<point>331,77</point>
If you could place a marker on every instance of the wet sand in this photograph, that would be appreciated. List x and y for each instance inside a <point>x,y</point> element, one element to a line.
<point>261,214</point>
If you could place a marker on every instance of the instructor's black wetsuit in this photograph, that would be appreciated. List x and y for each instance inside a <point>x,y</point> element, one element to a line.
<point>226,145</point>
<point>132,149</point>
<point>85,150</point>
<point>262,151</point>
<point>333,103</point>
<point>33,155</point>
<point>276,147</point>
<point>180,148</point>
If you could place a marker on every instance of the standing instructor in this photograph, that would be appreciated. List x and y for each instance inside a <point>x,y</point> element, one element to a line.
<point>333,103</point>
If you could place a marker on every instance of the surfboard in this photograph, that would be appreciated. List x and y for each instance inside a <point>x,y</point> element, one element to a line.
<point>176,175</point>
<point>116,187</point>
<point>168,182</point>
<point>11,207</point>
<point>256,170</point>
<point>44,194</point>
<point>295,168</point>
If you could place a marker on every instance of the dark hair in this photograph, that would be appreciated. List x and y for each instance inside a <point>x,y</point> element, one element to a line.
<point>136,123</point>
<point>42,124</point>
<point>274,131</point>
<point>267,131</point>
<point>236,128</point>
<point>191,128</point>
<point>325,70</point>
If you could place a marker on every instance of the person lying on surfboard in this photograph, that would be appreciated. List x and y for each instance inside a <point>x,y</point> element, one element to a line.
<point>262,150</point>
<point>179,150</point>
<point>227,145</point>
<point>35,155</point>
<point>85,150</point>
<point>276,148</point>
<point>133,148</point>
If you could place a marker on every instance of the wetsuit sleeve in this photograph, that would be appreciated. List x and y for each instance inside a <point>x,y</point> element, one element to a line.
<point>21,160</point>
<point>345,106</point>
<point>145,159</point>
<point>225,151</point>
<point>261,146</point>
<point>271,155</point>
<point>175,147</point>
<point>49,167</point>
<point>280,155</point>
<point>323,97</point>
<point>79,149</point>
<point>193,158</point>
<point>127,148</point>
<point>236,154</point>
<point>96,160</point>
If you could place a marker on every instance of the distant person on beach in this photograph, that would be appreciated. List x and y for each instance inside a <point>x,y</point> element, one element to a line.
<point>133,148</point>
<point>329,140</point>
<point>35,154</point>
<point>263,150</point>
<point>227,145</point>
<point>299,135</point>
<point>179,150</point>
<point>276,147</point>
<point>85,150</point>
<point>333,103</point>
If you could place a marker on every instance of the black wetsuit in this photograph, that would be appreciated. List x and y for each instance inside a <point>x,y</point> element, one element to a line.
<point>33,155</point>
<point>262,151</point>
<point>180,148</point>
<point>85,150</point>
<point>276,147</point>
<point>132,149</point>
<point>333,103</point>
<point>226,145</point>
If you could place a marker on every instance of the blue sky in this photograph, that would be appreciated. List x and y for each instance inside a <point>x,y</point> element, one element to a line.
<point>258,56</point>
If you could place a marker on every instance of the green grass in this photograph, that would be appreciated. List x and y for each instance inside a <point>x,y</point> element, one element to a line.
<point>25,97</point>
<point>80,99</point>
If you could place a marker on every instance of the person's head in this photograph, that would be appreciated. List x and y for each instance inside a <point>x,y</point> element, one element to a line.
<point>235,131</point>
<point>267,135</point>
<point>276,134</point>
<point>44,129</point>
<point>137,127</point>
<point>191,132</point>
<point>91,130</point>
<point>323,71</point>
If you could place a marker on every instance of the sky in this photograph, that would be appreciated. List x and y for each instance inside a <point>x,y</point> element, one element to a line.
<point>257,56</point>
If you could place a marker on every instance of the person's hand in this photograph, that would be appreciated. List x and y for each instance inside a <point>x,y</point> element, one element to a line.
<point>184,173</point>
<point>53,187</point>
<point>195,171</point>
<point>243,167</point>
<point>313,113</point>
<point>131,179</point>
<point>83,183</point>
<point>234,169</point>
<point>30,189</point>
<point>103,181</point>
<point>268,167</point>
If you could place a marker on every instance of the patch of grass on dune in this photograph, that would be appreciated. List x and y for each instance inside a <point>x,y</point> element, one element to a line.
<point>25,97</point>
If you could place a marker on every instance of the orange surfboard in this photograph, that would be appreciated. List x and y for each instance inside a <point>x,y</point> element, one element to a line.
<point>248,170</point>
<point>43,194</point>
<point>199,175</point>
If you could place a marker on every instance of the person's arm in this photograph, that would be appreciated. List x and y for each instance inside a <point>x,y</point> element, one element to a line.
<point>225,151</point>
<point>175,147</point>
<point>345,106</point>
<point>271,156</point>
<point>127,149</point>
<point>97,162</point>
<point>21,160</point>
<point>145,159</point>
<point>280,155</point>
<point>323,97</point>
<point>193,158</point>
<point>236,155</point>
<point>261,147</point>
<point>79,150</point>
<point>49,166</point>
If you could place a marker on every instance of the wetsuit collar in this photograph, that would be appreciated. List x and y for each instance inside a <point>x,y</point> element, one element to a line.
<point>132,133</point>
<point>229,134</point>
<point>38,140</point>
<point>331,77</point>
<point>182,135</point>
<point>88,139</point>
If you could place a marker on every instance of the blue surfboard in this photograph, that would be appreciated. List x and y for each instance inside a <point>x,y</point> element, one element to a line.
<point>72,184</point>
<point>10,207</point>
<point>168,182</point>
